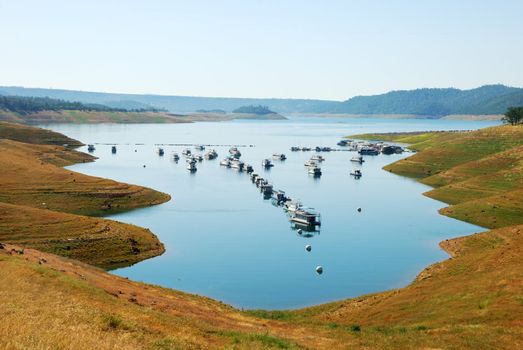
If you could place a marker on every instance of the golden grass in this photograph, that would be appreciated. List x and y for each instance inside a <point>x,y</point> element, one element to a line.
<point>32,176</point>
<point>472,301</point>
<point>29,134</point>
<point>99,242</point>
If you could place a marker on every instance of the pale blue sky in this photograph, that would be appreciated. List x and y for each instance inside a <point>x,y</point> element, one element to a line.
<point>306,49</point>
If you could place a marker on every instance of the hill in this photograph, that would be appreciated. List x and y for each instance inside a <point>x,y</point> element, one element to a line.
<point>470,301</point>
<point>175,104</point>
<point>485,100</point>
<point>488,99</point>
<point>41,203</point>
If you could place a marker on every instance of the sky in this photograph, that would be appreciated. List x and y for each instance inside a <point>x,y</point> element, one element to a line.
<point>286,49</point>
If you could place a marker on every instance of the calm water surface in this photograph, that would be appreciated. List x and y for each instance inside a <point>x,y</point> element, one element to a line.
<point>224,241</point>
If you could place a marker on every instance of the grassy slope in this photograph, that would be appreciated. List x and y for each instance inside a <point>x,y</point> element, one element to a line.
<point>471,301</point>
<point>32,175</point>
<point>38,200</point>
<point>23,133</point>
<point>475,299</point>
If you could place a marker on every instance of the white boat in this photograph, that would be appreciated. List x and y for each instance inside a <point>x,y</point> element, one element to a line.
<point>199,147</point>
<point>235,152</point>
<point>306,217</point>
<point>225,162</point>
<point>237,164</point>
<point>357,159</point>
<point>279,156</point>
<point>186,152</point>
<point>198,157</point>
<point>212,154</point>
<point>176,157</point>
<point>317,158</point>
<point>191,166</point>
<point>310,163</point>
<point>356,173</point>
<point>292,206</point>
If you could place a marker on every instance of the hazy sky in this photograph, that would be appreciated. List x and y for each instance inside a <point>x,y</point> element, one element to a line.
<point>306,49</point>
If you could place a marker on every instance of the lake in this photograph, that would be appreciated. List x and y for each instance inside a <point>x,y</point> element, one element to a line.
<point>224,241</point>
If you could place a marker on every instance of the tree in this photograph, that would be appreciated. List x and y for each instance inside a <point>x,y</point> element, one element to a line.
<point>514,115</point>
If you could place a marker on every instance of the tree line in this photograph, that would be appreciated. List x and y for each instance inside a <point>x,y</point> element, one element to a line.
<point>253,109</point>
<point>25,105</point>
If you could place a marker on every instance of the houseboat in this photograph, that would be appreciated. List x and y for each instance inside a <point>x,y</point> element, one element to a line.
<point>266,163</point>
<point>292,206</point>
<point>279,196</point>
<point>306,217</point>
<point>315,171</point>
<point>310,162</point>
<point>237,164</point>
<point>356,173</point>
<point>226,162</point>
<point>266,188</point>
<point>212,154</point>
<point>368,151</point>
<point>191,166</point>
<point>279,156</point>
<point>357,159</point>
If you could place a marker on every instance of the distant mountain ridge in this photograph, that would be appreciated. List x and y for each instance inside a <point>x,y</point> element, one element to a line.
<point>427,102</point>
<point>488,99</point>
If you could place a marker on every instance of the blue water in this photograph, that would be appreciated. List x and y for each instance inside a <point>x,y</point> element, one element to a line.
<point>224,241</point>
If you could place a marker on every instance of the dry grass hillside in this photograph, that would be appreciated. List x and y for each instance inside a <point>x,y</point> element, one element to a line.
<point>474,300</point>
<point>39,200</point>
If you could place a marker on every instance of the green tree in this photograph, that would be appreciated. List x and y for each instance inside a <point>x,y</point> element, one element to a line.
<point>514,115</point>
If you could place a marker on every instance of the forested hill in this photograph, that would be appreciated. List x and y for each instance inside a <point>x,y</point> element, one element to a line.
<point>175,104</point>
<point>488,99</point>
<point>24,105</point>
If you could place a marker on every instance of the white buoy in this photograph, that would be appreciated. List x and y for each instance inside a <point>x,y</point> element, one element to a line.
<point>308,247</point>
<point>300,231</point>
<point>319,270</point>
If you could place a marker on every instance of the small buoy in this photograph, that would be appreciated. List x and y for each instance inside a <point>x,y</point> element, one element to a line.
<point>319,270</point>
<point>300,231</point>
<point>359,210</point>
<point>308,247</point>
<point>136,150</point>
<point>144,165</point>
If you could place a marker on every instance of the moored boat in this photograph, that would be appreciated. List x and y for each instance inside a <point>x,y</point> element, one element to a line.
<point>266,163</point>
